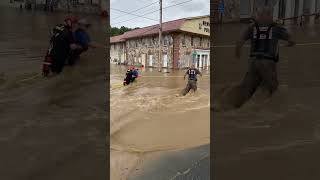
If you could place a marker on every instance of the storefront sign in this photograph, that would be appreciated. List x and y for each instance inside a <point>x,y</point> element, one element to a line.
<point>205,26</point>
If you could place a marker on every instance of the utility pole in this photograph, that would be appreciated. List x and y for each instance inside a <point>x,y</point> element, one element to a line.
<point>160,38</point>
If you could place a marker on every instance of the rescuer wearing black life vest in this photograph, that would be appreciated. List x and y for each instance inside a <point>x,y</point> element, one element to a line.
<point>61,42</point>
<point>264,35</point>
<point>128,79</point>
<point>192,73</point>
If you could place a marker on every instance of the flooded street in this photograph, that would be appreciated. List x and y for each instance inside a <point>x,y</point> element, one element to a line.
<point>149,121</point>
<point>274,139</point>
<point>49,128</point>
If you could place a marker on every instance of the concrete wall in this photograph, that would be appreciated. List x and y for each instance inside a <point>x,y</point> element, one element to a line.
<point>117,53</point>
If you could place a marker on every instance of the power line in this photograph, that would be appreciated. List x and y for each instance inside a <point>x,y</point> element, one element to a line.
<point>154,11</point>
<point>172,2</point>
<point>133,14</point>
<point>138,9</point>
<point>141,1</point>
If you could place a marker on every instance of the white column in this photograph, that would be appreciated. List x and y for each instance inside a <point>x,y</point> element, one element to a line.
<point>300,7</point>
<point>312,10</point>
<point>200,62</point>
<point>276,11</point>
<point>289,8</point>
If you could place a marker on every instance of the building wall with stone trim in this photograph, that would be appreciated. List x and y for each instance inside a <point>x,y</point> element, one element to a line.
<point>117,52</point>
<point>178,48</point>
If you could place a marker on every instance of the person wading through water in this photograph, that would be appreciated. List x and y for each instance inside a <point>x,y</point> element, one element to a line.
<point>264,35</point>
<point>61,42</point>
<point>82,40</point>
<point>192,73</point>
<point>128,79</point>
<point>135,73</point>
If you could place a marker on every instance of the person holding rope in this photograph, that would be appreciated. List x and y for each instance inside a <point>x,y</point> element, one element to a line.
<point>264,35</point>
<point>82,40</point>
<point>61,43</point>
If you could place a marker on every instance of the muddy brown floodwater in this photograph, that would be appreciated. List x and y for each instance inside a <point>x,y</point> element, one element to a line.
<point>49,128</point>
<point>279,138</point>
<point>151,126</point>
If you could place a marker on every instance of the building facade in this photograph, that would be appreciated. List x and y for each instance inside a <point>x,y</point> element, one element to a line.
<point>236,10</point>
<point>83,6</point>
<point>185,42</point>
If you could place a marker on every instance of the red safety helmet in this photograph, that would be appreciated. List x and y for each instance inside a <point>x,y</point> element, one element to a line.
<point>73,19</point>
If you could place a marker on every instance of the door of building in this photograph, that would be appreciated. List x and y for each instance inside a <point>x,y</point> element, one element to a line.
<point>204,61</point>
<point>143,56</point>
<point>165,60</point>
<point>198,61</point>
<point>150,60</point>
<point>282,9</point>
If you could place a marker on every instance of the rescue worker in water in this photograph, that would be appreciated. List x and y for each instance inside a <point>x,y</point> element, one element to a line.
<point>61,42</point>
<point>192,73</point>
<point>264,35</point>
<point>131,75</point>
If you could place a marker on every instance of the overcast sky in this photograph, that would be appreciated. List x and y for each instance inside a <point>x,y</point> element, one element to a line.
<point>188,9</point>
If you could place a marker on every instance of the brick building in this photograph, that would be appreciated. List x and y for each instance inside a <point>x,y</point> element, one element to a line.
<point>185,41</point>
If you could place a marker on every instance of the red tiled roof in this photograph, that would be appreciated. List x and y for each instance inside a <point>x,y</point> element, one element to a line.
<point>119,38</point>
<point>150,30</point>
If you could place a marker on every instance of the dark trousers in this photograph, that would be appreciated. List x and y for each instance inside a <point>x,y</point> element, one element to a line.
<point>127,81</point>
<point>192,84</point>
<point>133,79</point>
<point>75,55</point>
<point>58,63</point>
<point>261,72</point>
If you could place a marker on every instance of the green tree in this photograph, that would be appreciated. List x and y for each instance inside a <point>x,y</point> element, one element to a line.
<point>115,31</point>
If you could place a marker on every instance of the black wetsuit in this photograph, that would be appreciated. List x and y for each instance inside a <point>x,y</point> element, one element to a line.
<point>128,79</point>
<point>60,47</point>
